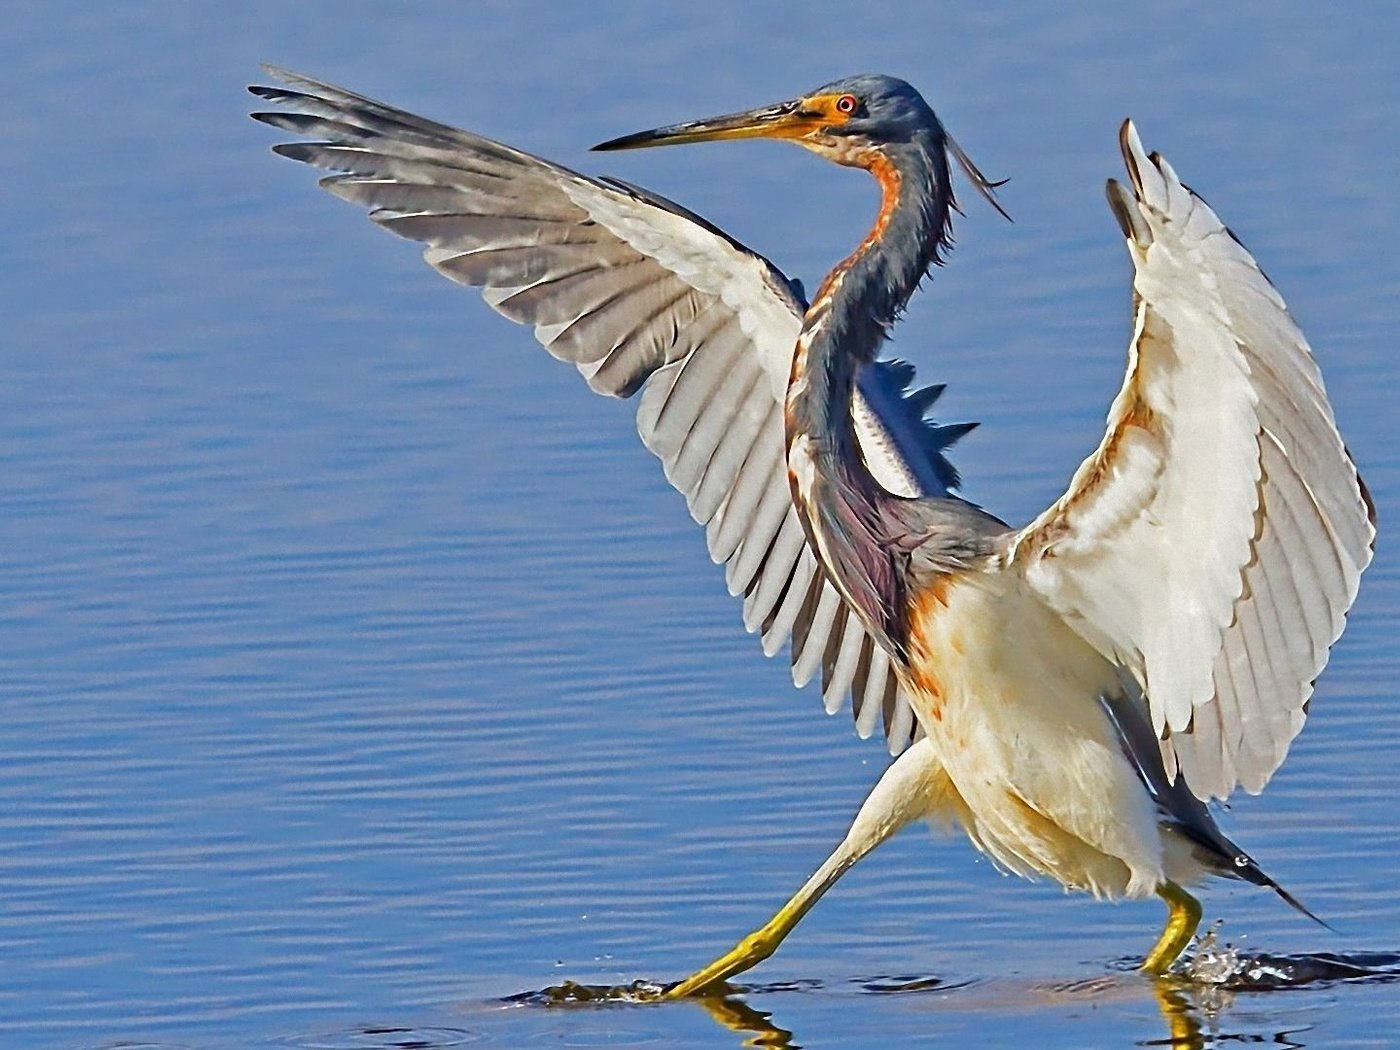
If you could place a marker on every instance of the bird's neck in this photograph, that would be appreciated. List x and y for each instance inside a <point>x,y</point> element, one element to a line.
<point>862,297</point>
<point>835,494</point>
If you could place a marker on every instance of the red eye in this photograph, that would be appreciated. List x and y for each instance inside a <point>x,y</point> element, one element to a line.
<point>847,104</point>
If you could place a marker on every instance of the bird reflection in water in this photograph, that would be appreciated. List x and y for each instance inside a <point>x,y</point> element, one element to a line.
<point>1175,998</point>
<point>1194,1004</point>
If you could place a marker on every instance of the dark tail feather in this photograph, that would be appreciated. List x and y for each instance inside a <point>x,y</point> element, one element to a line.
<point>1183,811</point>
<point>1245,868</point>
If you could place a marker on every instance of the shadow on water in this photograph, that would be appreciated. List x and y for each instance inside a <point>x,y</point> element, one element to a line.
<point>1193,1003</point>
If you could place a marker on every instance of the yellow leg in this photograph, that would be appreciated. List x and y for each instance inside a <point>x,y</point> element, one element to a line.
<point>1184,917</point>
<point>764,941</point>
<point>911,788</point>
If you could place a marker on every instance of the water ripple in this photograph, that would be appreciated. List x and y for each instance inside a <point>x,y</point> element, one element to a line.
<point>387,1037</point>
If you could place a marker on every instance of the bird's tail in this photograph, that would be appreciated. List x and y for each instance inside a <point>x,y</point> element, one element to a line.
<point>1182,811</point>
<point>1233,862</point>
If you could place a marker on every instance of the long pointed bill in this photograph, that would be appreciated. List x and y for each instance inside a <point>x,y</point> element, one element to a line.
<point>785,120</point>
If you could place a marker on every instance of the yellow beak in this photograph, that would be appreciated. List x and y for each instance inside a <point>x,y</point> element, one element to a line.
<point>785,120</point>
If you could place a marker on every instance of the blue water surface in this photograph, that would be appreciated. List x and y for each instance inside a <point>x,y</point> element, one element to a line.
<point>358,669</point>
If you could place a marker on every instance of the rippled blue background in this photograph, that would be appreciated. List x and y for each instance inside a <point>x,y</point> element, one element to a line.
<point>358,668</point>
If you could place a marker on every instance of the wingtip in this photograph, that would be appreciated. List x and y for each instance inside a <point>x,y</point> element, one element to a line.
<point>1154,183</point>
<point>1125,210</point>
<point>272,72</point>
<point>1131,147</point>
<point>288,80</point>
<point>287,76</point>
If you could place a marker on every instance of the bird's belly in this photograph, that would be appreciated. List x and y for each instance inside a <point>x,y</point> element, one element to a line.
<point>1008,695</point>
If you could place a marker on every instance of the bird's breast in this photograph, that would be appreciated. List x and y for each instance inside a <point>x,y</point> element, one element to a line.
<point>982,644</point>
<point>1009,696</point>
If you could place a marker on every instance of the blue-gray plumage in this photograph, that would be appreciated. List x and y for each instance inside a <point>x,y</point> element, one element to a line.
<point>1069,693</point>
<point>860,528</point>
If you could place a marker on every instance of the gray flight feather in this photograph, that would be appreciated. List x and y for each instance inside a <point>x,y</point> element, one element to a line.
<point>641,294</point>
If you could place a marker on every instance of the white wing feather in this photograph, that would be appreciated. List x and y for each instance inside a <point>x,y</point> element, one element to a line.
<point>639,294</point>
<point>1214,541</point>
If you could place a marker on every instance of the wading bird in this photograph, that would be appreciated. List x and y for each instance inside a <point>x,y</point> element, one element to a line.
<point>1070,693</point>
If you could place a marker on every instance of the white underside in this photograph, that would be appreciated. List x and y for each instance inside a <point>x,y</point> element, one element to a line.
<point>1035,770</point>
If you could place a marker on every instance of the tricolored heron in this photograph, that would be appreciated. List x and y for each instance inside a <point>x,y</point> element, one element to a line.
<point>1070,693</point>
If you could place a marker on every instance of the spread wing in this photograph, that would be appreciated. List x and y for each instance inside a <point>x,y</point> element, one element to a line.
<point>1213,543</point>
<point>640,294</point>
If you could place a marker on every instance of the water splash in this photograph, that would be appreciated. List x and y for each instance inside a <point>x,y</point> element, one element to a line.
<point>573,993</point>
<point>729,1010</point>
<point>1216,963</point>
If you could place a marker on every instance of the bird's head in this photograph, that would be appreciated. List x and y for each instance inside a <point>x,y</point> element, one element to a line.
<point>854,121</point>
<point>847,121</point>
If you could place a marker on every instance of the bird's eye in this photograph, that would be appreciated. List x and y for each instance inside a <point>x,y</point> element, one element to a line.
<point>847,104</point>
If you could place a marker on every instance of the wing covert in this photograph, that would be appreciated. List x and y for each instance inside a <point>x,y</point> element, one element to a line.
<point>642,295</point>
<point>1214,541</point>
